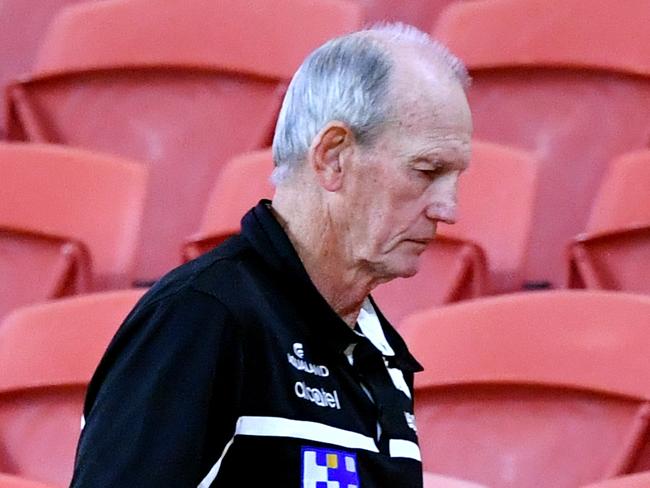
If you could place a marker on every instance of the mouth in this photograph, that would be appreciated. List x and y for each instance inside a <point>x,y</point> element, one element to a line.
<point>422,242</point>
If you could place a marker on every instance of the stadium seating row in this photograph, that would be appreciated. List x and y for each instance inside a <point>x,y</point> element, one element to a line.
<point>69,223</point>
<point>23,24</point>
<point>568,84</point>
<point>535,389</point>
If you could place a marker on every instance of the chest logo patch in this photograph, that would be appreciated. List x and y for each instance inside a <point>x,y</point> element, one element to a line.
<point>297,360</point>
<point>326,468</point>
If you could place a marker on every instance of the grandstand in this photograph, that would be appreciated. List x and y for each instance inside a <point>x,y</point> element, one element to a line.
<point>134,134</point>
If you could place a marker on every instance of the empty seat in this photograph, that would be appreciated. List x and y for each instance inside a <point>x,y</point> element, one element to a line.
<point>22,26</point>
<point>565,79</point>
<point>182,86</point>
<point>64,211</point>
<point>614,252</point>
<point>37,266</point>
<point>485,251</point>
<point>243,181</point>
<point>48,353</point>
<point>537,389</point>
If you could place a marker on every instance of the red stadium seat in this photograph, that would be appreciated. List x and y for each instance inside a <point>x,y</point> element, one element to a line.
<point>614,253</point>
<point>63,213</point>
<point>22,26</point>
<point>182,86</point>
<point>48,353</point>
<point>565,79</point>
<point>37,266</point>
<point>537,389</point>
<point>484,252</point>
<point>243,181</point>
<point>9,481</point>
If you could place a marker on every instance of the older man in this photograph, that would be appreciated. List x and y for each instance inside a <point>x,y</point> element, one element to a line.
<point>265,362</point>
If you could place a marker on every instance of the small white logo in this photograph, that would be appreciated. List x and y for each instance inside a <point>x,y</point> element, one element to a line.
<point>302,365</point>
<point>297,361</point>
<point>318,396</point>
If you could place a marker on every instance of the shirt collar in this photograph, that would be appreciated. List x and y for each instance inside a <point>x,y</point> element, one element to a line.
<point>270,241</point>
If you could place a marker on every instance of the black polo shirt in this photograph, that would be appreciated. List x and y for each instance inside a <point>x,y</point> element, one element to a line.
<point>232,371</point>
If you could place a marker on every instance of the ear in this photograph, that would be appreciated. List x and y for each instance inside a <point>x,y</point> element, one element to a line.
<point>326,154</point>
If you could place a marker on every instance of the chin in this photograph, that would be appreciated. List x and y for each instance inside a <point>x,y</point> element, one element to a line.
<point>405,268</point>
<point>408,272</point>
<point>402,265</point>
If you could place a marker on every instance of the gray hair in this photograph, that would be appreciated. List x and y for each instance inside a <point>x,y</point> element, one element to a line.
<point>347,79</point>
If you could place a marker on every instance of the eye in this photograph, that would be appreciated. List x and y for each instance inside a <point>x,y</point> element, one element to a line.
<point>430,171</point>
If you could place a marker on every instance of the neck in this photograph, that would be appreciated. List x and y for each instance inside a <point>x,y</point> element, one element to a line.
<point>312,233</point>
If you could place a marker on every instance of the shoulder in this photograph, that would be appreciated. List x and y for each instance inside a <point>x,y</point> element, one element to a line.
<point>176,321</point>
<point>225,292</point>
<point>210,281</point>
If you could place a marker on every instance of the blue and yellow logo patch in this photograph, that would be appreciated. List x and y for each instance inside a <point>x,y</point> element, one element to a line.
<point>326,468</point>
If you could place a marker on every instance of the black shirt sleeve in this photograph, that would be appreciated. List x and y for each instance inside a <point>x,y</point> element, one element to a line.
<point>168,382</point>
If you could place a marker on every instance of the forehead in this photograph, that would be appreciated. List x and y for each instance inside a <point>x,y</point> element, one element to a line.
<point>431,118</point>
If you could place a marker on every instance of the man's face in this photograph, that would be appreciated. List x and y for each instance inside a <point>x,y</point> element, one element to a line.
<point>406,182</point>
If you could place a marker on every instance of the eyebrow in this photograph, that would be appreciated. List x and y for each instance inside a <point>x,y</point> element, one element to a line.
<point>436,159</point>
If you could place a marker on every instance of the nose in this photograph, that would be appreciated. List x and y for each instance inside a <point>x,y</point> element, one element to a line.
<point>442,198</point>
<point>442,211</point>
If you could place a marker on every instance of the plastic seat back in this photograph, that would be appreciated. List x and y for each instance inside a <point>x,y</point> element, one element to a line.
<point>22,26</point>
<point>567,80</point>
<point>537,389</point>
<point>48,353</point>
<point>624,197</point>
<point>244,180</point>
<point>57,201</point>
<point>614,253</point>
<point>485,251</point>
<point>35,267</point>
<point>182,86</point>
